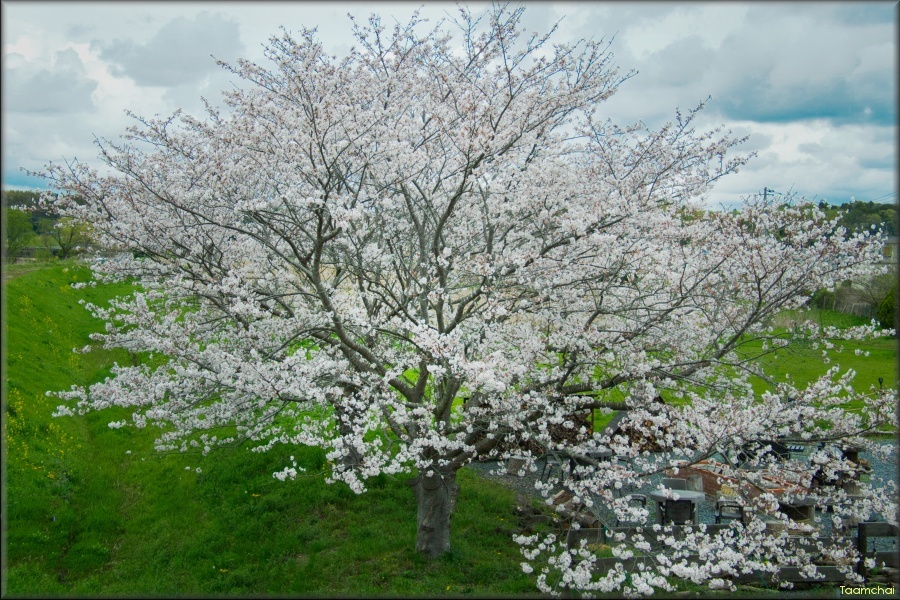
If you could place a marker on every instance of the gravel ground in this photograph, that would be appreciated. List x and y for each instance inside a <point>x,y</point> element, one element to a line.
<point>881,470</point>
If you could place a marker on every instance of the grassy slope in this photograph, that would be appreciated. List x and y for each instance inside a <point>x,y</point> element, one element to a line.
<point>93,510</point>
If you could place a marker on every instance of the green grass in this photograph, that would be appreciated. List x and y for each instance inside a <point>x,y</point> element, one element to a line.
<point>95,511</point>
<point>804,363</point>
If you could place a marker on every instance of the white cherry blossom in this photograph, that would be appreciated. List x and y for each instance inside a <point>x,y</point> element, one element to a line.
<point>436,244</point>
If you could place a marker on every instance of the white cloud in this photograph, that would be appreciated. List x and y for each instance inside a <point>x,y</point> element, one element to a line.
<point>814,159</point>
<point>61,86</point>
<point>24,47</point>
<point>812,82</point>
<point>178,53</point>
<point>660,26</point>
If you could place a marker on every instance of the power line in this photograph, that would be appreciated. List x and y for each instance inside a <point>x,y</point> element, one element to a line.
<point>883,197</point>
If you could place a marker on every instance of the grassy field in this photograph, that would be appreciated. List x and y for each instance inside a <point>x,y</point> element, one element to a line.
<point>802,364</point>
<point>95,511</point>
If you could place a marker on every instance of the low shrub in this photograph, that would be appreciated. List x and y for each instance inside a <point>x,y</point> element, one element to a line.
<point>886,310</point>
<point>822,299</point>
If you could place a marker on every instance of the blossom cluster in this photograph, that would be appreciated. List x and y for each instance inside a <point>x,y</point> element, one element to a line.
<point>431,248</point>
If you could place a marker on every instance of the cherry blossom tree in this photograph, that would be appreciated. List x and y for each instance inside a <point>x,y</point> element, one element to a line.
<point>416,253</point>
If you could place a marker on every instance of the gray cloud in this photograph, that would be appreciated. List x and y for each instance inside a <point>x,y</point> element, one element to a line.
<point>32,139</point>
<point>811,82</point>
<point>838,100</point>
<point>767,73</point>
<point>880,163</point>
<point>676,64</point>
<point>866,12</point>
<point>80,30</point>
<point>188,96</point>
<point>756,142</point>
<point>64,87</point>
<point>782,63</point>
<point>839,161</point>
<point>179,53</point>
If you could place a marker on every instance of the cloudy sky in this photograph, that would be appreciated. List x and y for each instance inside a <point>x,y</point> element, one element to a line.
<point>812,83</point>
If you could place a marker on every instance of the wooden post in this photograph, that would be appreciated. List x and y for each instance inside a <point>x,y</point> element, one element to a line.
<point>862,542</point>
<point>874,529</point>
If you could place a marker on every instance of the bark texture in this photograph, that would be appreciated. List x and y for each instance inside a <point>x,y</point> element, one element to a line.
<point>436,500</point>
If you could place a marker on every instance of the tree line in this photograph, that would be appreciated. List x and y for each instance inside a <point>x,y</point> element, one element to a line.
<point>859,216</point>
<point>30,229</point>
<point>34,227</point>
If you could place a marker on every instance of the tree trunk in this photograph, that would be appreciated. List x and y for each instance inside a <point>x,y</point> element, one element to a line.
<point>436,499</point>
